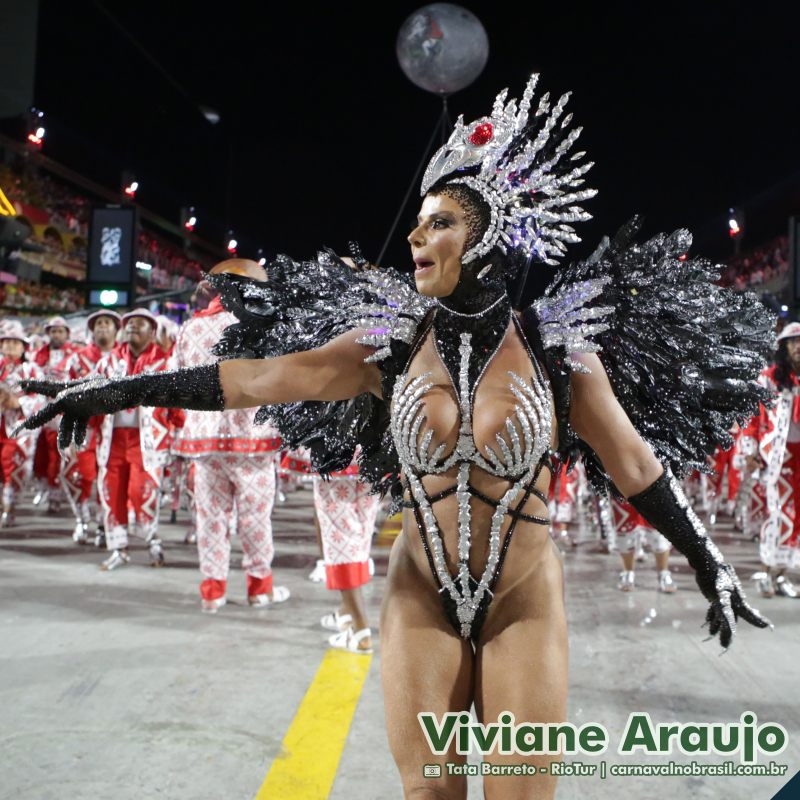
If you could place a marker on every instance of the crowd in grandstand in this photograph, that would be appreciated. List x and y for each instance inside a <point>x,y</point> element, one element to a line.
<point>60,219</point>
<point>24,295</point>
<point>759,266</point>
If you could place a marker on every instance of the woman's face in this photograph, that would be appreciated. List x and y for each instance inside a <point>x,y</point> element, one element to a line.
<point>437,244</point>
<point>12,348</point>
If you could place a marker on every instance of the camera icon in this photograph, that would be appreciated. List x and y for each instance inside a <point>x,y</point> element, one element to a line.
<point>432,771</point>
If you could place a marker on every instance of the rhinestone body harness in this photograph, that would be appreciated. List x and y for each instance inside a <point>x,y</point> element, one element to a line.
<point>529,429</point>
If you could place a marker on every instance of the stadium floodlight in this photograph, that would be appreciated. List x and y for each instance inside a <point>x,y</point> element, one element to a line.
<point>129,185</point>
<point>188,218</point>
<point>36,130</point>
<point>211,114</point>
<point>735,222</point>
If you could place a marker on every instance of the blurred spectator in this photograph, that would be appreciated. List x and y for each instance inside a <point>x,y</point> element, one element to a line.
<point>40,297</point>
<point>756,267</point>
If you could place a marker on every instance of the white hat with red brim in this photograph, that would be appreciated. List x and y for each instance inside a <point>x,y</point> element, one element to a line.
<point>103,312</point>
<point>140,312</point>
<point>11,329</point>
<point>56,322</point>
<point>790,331</point>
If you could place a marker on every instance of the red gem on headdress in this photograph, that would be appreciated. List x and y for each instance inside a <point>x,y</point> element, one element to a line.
<point>482,134</point>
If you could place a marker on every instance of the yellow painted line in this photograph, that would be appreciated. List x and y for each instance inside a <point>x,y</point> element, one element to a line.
<point>5,206</point>
<point>313,745</point>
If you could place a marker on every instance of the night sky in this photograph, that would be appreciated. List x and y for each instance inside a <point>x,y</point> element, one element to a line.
<point>686,111</point>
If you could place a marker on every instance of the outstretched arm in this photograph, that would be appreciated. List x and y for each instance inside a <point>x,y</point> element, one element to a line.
<point>336,371</point>
<point>599,419</point>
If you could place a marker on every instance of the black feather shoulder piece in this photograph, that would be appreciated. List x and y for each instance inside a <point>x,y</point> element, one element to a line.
<point>682,353</point>
<point>305,304</point>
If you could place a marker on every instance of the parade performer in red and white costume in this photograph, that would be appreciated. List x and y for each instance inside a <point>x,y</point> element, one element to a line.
<point>771,445</point>
<point>16,455</point>
<point>79,466</point>
<point>51,358</point>
<point>346,510</point>
<point>234,475</point>
<point>630,525</point>
<point>722,461</point>
<point>134,445</point>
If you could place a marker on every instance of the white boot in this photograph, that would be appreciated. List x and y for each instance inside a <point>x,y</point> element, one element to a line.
<point>627,580</point>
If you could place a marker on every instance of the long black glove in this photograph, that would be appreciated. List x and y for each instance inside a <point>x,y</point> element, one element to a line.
<point>49,388</point>
<point>664,505</point>
<point>196,388</point>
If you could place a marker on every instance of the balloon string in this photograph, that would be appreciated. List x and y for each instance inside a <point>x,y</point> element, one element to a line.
<point>442,125</point>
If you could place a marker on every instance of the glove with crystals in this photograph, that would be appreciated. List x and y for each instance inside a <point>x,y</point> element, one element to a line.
<point>196,388</point>
<point>664,505</point>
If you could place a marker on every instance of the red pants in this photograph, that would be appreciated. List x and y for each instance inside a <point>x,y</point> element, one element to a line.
<point>47,460</point>
<point>80,472</point>
<point>723,458</point>
<point>12,469</point>
<point>125,482</point>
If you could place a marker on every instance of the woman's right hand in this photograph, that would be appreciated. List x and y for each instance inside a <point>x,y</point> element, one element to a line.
<point>77,402</point>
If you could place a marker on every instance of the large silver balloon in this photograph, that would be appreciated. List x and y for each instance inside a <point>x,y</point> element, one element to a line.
<point>442,48</point>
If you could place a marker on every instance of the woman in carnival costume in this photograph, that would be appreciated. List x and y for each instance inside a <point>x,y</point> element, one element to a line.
<point>462,395</point>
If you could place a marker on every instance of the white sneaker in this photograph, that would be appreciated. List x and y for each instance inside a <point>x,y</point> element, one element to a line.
<point>336,621</point>
<point>785,587</point>
<point>317,575</point>
<point>212,606</point>
<point>156,553</point>
<point>7,520</point>
<point>79,534</point>
<point>190,537</point>
<point>627,580</point>
<point>764,584</point>
<point>665,582</point>
<point>349,640</point>
<point>280,594</point>
<point>118,558</point>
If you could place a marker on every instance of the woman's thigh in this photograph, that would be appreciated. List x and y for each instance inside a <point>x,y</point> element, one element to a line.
<point>425,667</point>
<point>522,666</point>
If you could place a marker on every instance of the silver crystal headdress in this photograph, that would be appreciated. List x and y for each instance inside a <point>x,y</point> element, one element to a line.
<point>524,175</point>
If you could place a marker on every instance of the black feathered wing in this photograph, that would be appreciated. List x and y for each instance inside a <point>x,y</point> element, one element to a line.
<point>682,353</point>
<point>305,304</point>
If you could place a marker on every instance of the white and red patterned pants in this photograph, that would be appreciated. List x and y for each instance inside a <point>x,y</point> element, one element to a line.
<point>629,524</point>
<point>346,510</point>
<point>234,492</point>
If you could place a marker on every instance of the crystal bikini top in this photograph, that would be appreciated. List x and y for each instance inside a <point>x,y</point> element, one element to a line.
<point>529,429</point>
